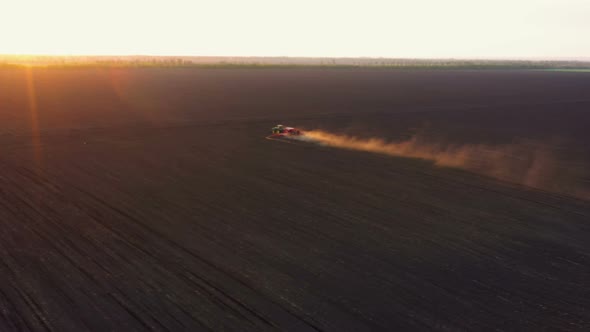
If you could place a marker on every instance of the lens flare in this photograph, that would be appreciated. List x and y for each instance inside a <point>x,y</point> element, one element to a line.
<point>33,116</point>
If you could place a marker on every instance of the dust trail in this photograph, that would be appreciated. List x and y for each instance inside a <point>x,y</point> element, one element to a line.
<point>527,162</point>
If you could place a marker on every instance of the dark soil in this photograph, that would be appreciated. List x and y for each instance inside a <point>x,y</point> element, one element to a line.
<point>148,199</point>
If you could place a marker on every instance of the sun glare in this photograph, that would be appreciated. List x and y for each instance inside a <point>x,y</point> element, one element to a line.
<point>376,28</point>
<point>33,116</point>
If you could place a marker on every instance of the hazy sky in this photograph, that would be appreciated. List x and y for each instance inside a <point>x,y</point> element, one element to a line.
<point>375,28</point>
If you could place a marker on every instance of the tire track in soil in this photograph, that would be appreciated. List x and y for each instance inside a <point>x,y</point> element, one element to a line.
<point>39,221</point>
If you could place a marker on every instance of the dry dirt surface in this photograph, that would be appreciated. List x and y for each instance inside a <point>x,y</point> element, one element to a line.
<point>148,199</point>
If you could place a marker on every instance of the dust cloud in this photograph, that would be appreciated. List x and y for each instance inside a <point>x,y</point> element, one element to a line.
<point>527,163</point>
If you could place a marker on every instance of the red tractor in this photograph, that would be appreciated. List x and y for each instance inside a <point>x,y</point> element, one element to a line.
<point>280,130</point>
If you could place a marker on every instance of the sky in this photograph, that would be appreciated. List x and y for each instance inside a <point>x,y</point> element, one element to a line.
<point>315,28</point>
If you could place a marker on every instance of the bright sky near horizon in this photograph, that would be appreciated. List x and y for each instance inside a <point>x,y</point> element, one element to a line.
<point>331,28</point>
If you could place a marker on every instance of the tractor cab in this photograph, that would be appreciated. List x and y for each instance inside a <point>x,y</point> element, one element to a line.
<point>278,129</point>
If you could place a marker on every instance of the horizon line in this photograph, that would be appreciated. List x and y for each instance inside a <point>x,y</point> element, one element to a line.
<point>510,58</point>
